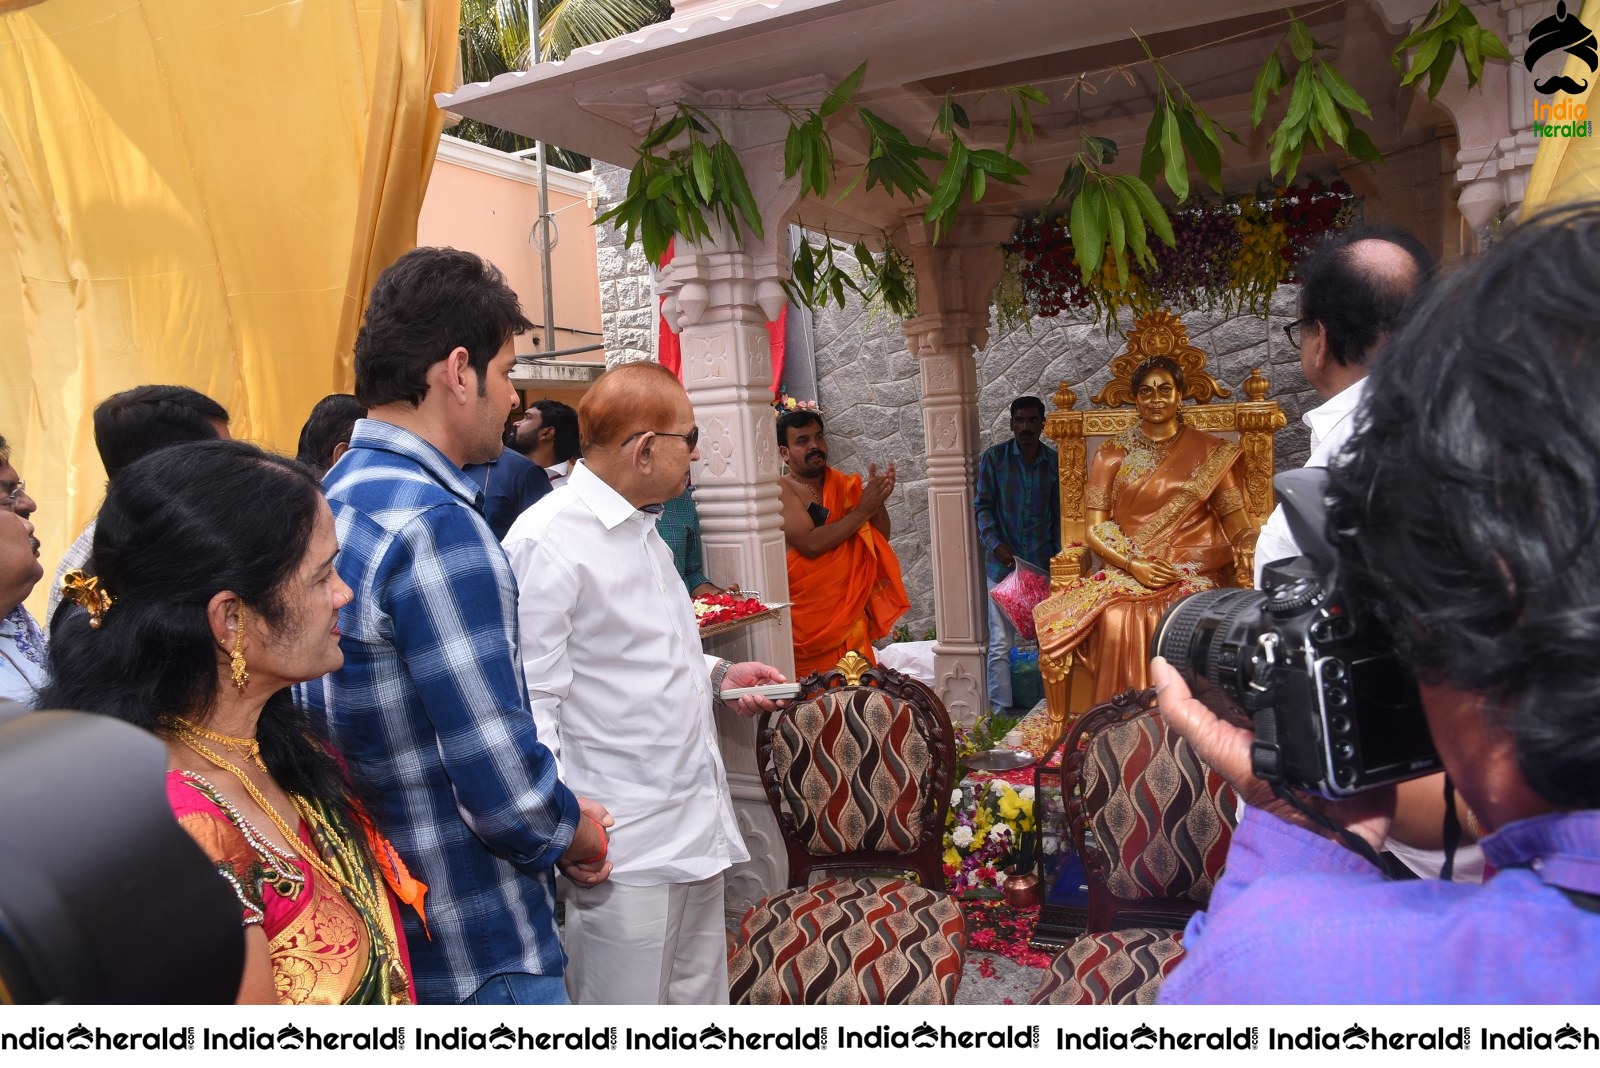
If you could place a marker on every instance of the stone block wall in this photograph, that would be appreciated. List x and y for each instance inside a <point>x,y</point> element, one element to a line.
<point>867,384</point>
<point>627,294</point>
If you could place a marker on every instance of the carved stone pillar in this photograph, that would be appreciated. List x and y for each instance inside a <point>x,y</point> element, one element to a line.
<point>954,279</point>
<point>720,294</point>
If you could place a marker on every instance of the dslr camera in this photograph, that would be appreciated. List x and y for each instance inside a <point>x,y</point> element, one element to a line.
<point>1334,711</point>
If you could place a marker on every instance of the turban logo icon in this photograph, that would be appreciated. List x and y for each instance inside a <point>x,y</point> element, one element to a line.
<point>1561,32</point>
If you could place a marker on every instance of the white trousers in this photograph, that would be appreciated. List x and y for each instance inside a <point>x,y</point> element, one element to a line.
<point>647,945</point>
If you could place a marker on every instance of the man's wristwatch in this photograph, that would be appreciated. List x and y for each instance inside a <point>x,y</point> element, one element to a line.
<point>718,674</point>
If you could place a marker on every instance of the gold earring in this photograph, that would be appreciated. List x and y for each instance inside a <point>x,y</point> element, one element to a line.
<point>236,658</point>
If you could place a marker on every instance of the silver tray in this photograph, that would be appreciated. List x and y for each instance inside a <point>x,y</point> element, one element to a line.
<point>999,760</point>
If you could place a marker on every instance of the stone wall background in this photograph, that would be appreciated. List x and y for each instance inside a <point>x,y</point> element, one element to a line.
<point>627,290</point>
<point>867,384</point>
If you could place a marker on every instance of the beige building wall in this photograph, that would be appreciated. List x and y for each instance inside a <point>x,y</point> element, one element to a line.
<point>487,202</point>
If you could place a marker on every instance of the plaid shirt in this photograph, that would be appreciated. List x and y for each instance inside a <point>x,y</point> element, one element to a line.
<point>1019,505</point>
<point>679,526</point>
<point>430,707</point>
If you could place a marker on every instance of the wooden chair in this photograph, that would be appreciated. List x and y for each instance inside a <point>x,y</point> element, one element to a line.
<point>858,770</point>
<point>1152,825</point>
<point>1078,433</point>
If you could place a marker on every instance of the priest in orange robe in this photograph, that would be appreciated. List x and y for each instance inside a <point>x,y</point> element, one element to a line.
<point>844,578</point>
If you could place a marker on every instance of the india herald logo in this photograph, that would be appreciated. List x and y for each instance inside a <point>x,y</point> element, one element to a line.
<point>1561,32</point>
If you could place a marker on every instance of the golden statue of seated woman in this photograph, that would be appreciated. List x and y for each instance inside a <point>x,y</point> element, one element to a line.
<point>1165,509</point>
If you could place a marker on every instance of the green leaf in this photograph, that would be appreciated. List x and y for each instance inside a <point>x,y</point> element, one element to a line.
<point>664,133</point>
<point>1301,41</point>
<point>1088,235</point>
<point>1177,169</point>
<point>1071,183</point>
<point>701,158</point>
<point>793,150</point>
<point>1440,70</point>
<point>1003,167</point>
<point>1300,102</point>
<point>1206,152</point>
<point>1328,115</point>
<point>735,190</point>
<point>1422,59</point>
<point>659,185</point>
<point>952,179</point>
<point>1151,209</point>
<point>1124,201</point>
<point>1342,91</point>
<point>1269,83</point>
<point>842,92</point>
<point>1031,93</point>
<point>1117,227</point>
<point>1150,158</point>
<point>1491,46</point>
<point>1102,150</point>
<point>1291,161</point>
<point>959,113</point>
<point>980,180</point>
<point>1362,148</point>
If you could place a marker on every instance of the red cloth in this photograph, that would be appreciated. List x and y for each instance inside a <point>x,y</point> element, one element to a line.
<point>669,348</point>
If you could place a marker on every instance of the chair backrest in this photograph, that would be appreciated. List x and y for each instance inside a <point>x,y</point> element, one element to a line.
<point>1151,822</point>
<point>1077,433</point>
<point>858,771</point>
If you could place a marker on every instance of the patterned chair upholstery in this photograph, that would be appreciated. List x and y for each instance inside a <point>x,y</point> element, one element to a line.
<point>1152,825</point>
<point>1111,968</point>
<point>858,771</point>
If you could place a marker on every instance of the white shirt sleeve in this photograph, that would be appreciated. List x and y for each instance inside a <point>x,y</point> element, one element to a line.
<point>1275,542</point>
<point>547,598</point>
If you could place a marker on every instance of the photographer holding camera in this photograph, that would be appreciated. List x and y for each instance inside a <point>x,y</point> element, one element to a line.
<point>1465,518</point>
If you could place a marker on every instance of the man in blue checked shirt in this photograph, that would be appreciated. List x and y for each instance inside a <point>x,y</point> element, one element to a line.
<point>430,707</point>
<point>1018,504</point>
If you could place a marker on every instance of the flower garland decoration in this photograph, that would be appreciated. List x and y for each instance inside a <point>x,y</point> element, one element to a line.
<point>786,403</point>
<point>1229,254</point>
<point>984,828</point>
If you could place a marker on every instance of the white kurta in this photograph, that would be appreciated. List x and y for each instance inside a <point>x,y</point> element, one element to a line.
<point>619,685</point>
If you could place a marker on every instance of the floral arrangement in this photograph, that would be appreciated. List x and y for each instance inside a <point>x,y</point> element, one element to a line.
<point>984,833</point>
<point>716,608</point>
<point>786,403</point>
<point>1229,253</point>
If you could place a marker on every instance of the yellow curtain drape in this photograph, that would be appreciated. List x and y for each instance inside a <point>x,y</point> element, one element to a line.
<point>199,192</point>
<point>1567,168</point>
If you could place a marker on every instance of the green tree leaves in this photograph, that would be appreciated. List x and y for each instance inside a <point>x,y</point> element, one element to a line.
<point>680,181</point>
<point>1321,104</point>
<point>1449,27</point>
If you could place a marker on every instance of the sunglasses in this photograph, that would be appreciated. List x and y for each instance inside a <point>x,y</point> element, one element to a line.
<point>691,439</point>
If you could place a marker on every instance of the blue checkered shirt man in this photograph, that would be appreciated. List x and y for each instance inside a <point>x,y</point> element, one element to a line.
<point>431,708</point>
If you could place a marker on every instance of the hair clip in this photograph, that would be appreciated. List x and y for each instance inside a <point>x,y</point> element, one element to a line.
<point>85,590</point>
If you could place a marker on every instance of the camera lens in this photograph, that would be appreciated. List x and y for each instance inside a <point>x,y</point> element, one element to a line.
<point>1207,637</point>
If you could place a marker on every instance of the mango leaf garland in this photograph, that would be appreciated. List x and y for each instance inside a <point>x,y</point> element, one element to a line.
<point>1449,27</point>
<point>1321,105</point>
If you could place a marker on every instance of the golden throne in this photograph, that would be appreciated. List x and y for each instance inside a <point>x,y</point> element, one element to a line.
<point>1077,433</point>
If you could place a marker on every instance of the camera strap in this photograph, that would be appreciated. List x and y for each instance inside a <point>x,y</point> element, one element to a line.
<point>1452,832</point>
<point>1348,838</point>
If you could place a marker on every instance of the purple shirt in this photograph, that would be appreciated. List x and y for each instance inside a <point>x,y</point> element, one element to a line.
<point>1298,919</point>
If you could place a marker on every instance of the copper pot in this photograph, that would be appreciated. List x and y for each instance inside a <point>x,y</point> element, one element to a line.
<point>1022,888</point>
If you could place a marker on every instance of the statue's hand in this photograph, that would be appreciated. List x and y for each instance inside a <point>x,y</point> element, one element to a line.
<point>1153,574</point>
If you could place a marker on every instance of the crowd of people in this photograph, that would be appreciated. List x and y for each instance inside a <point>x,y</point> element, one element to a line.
<point>392,724</point>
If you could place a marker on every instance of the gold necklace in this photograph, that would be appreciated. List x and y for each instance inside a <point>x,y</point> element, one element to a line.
<point>249,748</point>
<point>192,739</point>
<point>367,897</point>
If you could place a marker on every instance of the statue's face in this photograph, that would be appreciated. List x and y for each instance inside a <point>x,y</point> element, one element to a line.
<point>1157,396</point>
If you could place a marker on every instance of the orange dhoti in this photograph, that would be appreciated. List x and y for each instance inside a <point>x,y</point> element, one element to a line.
<point>848,597</point>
